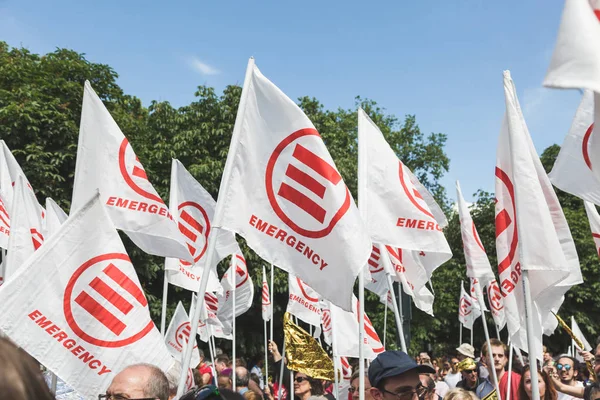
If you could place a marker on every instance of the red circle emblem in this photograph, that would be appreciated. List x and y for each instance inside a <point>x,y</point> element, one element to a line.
<point>495,296</point>
<point>194,224</point>
<point>464,307</point>
<point>412,193</point>
<point>304,289</point>
<point>103,298</point>
<point>182,335</point>
<point>133,173</point>
<point>301,185</point>
<point>585,146</point>
<point>506,223</point>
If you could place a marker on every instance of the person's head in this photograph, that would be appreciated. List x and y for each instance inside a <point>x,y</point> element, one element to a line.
<point>547,355</point>
<point>567,368</point>
<point>305,386</point>
<point>201,353</point>
<point>224,381</point>
<point>597,362</point>
<point>240,362</point>
<point>395,376</point>
<point>354,386</point>
<point>428,391</point>
<point>250,395</point>
<point>140,381</point>
<point>546,387</point>
<point>465,350</point>
<point>424,358</point>
<point>221,362</point>
<point>241,377</point>
<point>454,364</point>
<point>499,356</point>
<point>173,375</point>
<point>468,371</point>
<point>20,376</point>
<point>460,394</point>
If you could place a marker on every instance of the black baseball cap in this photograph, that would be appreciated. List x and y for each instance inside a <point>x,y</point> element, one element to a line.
<point>393,363</point>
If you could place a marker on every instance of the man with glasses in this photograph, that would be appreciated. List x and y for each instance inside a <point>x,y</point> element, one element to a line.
<point>470,378</point>
<point>138,382</point>
<point>394,375</point>
<point>567,369</point>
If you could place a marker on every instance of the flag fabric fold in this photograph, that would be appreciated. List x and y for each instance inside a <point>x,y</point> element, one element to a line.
<point>266,298</point>
<point>237,275</point>
<point>468,309</point>
<point>303,301</point>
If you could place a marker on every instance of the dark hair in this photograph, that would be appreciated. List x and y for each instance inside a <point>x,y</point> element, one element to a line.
<point>316,386</point>
<point>550,394</point>
<point>222,359</point>
<point>20,376</point>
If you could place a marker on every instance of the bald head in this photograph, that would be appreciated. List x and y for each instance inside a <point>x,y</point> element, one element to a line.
<point>241,377</point>
<point>140,380</point>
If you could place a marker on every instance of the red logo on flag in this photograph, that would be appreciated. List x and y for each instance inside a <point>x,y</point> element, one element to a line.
<point>301,186</point>
<point>305,289</point>
<point>412,193</point>
<point>370,331</point>
<point>266,300</point>
<point>133,172</point>
<point>495,296</point>
<point>194,224</point>
<point>374,261</point>
<point>182,334</point>
<point>211,301</point>
<point>585,146</point>
<point>506,222</point>
<point>326,320</point>
<point>4,219</point>
<point>103,299</point>
<point>464,307</point>
<point>241,274</point>
<point>36,238</point>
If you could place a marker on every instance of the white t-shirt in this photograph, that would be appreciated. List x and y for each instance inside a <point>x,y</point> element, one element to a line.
<point>564,396</point>
<point>453,379</point>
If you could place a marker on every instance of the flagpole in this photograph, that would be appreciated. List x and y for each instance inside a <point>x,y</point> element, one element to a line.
<point>399,323</point>
<point>334,352</point>
<point>163,313</point>
<point>187,355</point>
<point>460,333</point>
<point>362,208</point>
<point>272,294</point>
<point>487,336</point>
<point>472,335</point>
<point>535,390</point>
<point>336,378</point>
<point>211,350</point>
<point>281,373</point>
<point>266,376</point>
<point>384,322</point>
<point>510,362</point>
<point>233,355</point>
<point>497,331</point>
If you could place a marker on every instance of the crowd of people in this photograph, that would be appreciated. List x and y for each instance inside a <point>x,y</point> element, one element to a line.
<point>393,375</point>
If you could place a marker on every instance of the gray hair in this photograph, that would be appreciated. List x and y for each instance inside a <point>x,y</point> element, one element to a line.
<point>173,375</point>
<point>242,377</point>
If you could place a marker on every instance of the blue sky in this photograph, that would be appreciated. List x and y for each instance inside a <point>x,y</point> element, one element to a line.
<point>442,61</point>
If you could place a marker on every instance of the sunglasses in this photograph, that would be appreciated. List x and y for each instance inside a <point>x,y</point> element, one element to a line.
<point>300,379</point>
<point>561,366</point>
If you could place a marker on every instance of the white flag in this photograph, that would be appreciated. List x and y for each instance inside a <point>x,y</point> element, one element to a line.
<point>496,303</point>
<point>106,162</point>
<point>303,301</point>
<point>478,264</point>
<point>473,292</point>
<point>178,336</point>
<point>411,270</point>
<point>345,373</point>
<point>579,335</point>
<point>4,224</point>
<point>326,325</point>
<point>282,192</point>
<point>10,170</point>
<point>26,229</point>
<point>376,276</point>
<point>468,309</point>
<point>542,239</point>
<point>572,171</point>
<point>576,60</point>
<point>55,217</point>
<point>77,306</point>
<point>345,328</point>
<point>400,212</point>
<point>237,275</point>
<point>266,298</point>
<point>193,208</point>
<point>594,219</point>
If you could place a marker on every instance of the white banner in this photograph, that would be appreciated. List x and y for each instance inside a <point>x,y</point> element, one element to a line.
<point>78,308</point>
<point>468,309</point>
<point>244,292</point>
<point>178,336</point>
<point>282,192</point>
<point>55,217</point>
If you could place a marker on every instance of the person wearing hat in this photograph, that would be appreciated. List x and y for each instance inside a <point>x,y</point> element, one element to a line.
<point>465,350</point>
<point>394,375</point>
<point>470,377</point>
